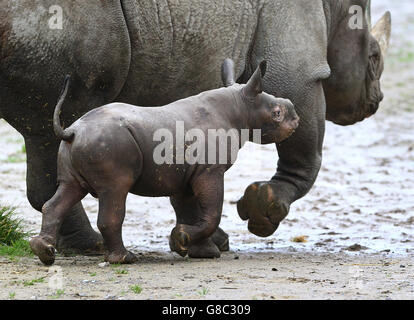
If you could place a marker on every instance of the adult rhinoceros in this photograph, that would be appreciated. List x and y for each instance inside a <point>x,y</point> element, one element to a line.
<point>152,52</point>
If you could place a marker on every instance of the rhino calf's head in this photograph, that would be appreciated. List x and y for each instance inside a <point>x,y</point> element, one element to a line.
<point>275,117</point>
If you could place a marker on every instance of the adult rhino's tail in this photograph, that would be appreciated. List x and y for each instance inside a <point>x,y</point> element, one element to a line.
<point>62,134</point>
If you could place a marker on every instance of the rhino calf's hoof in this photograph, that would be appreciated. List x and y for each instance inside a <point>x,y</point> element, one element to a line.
<point>221,240</point>
<point>126,257</point>
<point>179,241</point>
<point>43,249</point>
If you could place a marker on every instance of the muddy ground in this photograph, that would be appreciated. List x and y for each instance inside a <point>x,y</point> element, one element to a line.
<point>357,220</point>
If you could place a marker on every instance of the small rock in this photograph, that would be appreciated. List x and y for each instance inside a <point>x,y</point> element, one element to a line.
<point>274,269</point>
<point>356,247</point>
<point>236,258</point>
<point>300,239</point>
<point>103,264</point>
<point>89,281</point>
<point>402,266</point>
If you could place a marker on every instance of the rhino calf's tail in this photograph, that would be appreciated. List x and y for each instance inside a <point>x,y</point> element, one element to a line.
<point>62,134</point>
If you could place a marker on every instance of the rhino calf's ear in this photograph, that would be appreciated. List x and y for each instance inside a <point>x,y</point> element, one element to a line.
<point>254,86</point>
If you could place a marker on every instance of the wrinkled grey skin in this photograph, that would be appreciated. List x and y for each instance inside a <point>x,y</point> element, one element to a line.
<point>156,52</point>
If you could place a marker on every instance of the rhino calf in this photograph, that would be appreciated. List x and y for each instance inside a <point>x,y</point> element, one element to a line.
<point>109,152</point>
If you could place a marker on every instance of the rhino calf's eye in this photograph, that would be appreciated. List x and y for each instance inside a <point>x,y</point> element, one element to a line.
<point>276,114</point>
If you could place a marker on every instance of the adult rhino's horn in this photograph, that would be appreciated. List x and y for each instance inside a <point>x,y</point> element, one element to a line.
<point>382,32</point>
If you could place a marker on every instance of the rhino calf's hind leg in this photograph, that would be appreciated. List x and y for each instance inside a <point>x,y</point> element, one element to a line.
<point>54,212</point>
<point>76,235</point>
<point>110,218</point>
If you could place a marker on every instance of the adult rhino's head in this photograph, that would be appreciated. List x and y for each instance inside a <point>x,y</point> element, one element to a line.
<point>356,58</point>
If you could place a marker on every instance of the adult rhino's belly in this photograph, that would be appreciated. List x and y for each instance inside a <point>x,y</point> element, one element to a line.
<point>178,46</point>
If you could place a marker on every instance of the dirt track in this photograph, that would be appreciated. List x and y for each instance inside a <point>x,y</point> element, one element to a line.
<point>364,195</point>
<point>277,275</point>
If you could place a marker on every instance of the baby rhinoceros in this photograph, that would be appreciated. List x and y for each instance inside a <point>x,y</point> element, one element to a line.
<point>113,150</point>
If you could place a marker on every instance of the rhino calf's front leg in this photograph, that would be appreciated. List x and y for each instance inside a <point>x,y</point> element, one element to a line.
<point>207,201</point>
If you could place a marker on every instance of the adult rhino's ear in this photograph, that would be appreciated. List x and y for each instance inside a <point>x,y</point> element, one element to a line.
<point>254,86</point>
<point>227,73</point>
<point>382,32</point>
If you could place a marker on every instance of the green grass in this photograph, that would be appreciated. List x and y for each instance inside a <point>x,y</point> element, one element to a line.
<point>58,294</point>
<point>11,229</point>
<point>15,158</point>
<point>403,55</point>
<point>33,282</point>
<point>203,292</point>
<point>13,237</point>
<point>19,248</point>
<point>15,140</point>
<point>117,269</point>
<point>12,295</point>
<point>121,271</point>
<point>136,289</point>
<point>115,265</point>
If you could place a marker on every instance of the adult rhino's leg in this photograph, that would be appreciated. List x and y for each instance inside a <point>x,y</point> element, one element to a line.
<point>266,204</point>
<point>93,46</point>
<point>296,56</point>
<point>76,234</point>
